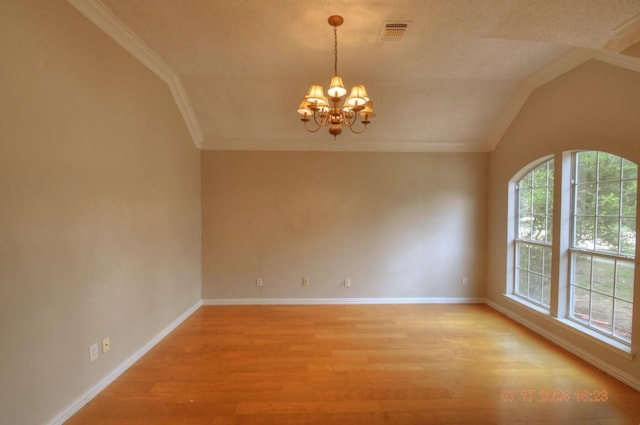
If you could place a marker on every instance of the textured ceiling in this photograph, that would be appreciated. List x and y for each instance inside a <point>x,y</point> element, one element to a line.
<point>246,64</point>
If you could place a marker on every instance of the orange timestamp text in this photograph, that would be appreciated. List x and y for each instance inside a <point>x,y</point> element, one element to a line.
<point>554,396</point>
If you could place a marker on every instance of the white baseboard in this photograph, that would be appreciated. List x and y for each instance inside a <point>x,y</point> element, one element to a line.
<point>74,407</point>
<point>573,349</point>
<point>334,301</point>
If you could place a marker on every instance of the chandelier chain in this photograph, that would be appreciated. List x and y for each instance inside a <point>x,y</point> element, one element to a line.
<point>335,50</point>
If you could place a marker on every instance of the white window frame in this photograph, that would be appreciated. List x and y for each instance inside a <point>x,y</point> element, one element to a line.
<point>520,242</point>
<point>591,322</point>
<point>561,250</point>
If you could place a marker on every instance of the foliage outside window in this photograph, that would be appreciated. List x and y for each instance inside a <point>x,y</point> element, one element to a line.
<point>603,243</point>
<point>534,235</point>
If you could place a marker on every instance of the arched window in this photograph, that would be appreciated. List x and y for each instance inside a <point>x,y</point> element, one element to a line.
<point>603,243</point>
<point>534,198</point>
<point>594,282</point>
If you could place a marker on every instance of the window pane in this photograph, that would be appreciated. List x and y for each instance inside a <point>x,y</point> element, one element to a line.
<point>540,176</point>
<point>623,316</point>
<point>624,280</point>
<point>586,199</point>
<point>535,288</point>
<point>539,228</point>
<point>525,182</point>
<point>629,170</point>
<point>582,271</point>
<point>603,269</point>
<point>629,190</point>
<point>609,166</point>
<point>523,256</point>
<point>609,198</point>
<point>602,312</point>
<point>523,284</point>
<point>546,269</point>
<point>525,203</point>
<point>580,304</point>
<point>536,259</point>
<point>524,227</point>
<point>586,170</point>
<point>584,232</point>
<point>608,231</point>
<point>628,236</point>
<point>546,291</point>
<point>540,200</point>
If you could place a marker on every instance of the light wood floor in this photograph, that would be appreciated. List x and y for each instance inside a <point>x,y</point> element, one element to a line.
<point>358,365</point>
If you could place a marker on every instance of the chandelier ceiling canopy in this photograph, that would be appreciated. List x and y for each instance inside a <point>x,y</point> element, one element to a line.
<point>331,112</point>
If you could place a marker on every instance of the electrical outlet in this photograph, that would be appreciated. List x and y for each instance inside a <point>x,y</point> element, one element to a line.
<point>259,282</point>
<point>106,344</point>
<point>93,352</point>
<point>465,281</point>
<point>305,281</point>
<point>347,283</point>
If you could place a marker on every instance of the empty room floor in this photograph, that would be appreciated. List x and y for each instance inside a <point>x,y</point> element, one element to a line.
<point>359,364</point>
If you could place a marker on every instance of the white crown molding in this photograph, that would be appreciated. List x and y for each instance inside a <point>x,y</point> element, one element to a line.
<point>625,36</point>
<point>363,145</point>
<point>547,73</point>
<point>103,18</point>
<point>341,301</point>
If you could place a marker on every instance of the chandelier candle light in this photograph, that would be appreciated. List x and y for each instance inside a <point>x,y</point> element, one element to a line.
<point>329,112</point>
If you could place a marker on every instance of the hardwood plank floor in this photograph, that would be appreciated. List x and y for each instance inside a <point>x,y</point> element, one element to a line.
<point>353,365</point>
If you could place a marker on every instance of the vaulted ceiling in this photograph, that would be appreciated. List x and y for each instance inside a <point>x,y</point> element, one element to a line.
<point>453,82</point>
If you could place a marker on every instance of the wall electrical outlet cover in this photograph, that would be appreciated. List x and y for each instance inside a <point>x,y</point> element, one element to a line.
<point>93,352</point>
<point>106,344</point>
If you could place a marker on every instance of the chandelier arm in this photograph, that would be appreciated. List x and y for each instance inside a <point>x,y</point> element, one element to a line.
<point>356,115</point>
<point>364,127</point>
<point>350,118</point>
<point>311,130</point>
<point>323,118</point>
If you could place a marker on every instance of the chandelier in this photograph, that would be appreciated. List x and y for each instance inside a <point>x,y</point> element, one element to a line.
<point>329,111</point>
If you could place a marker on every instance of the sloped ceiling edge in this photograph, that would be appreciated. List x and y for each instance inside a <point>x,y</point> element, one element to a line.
<point>103,18</point>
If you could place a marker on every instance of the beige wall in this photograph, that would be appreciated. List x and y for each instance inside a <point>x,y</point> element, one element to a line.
<point>596,106</point>
<point>99,208</point>
<point>397,225</point>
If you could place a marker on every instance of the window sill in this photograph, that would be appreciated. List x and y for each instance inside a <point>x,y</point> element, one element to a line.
<point>610,344</point>
<point>528,304</point>
<point>601,340</point>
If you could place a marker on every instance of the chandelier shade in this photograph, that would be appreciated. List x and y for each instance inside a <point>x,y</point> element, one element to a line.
<point>368,111</point>
<point>304,108</point>
<point>328,112</point>
<point>336,88</point>
<point>315,94</point>
<point>358,97</point>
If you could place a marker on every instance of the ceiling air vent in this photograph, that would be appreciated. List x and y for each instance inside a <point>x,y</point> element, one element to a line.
<point>394,31</point>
